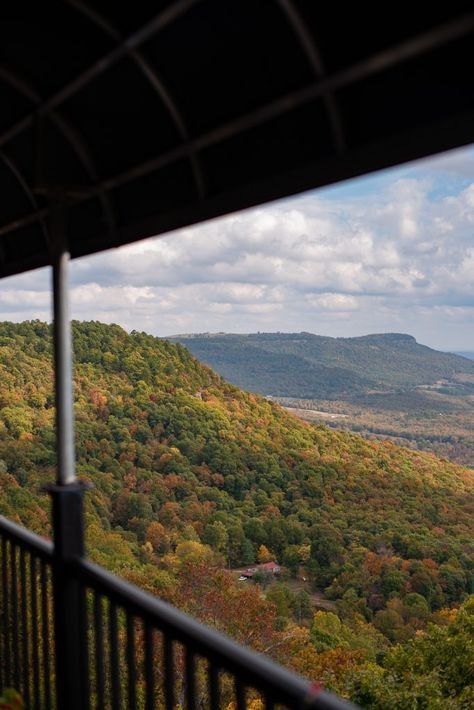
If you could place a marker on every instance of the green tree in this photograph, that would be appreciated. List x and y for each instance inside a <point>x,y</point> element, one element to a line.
<point>215,535</point>
<point>434,670</point>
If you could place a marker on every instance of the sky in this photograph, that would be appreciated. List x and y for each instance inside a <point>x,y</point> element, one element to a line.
<point>391,252</point>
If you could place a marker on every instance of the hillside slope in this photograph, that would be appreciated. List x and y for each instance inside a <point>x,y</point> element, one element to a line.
<point>467,354</point>
<point>313,366</point>
<point>176,454</point>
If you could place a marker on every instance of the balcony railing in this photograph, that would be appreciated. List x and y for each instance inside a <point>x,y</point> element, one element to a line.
<point>27,649</point>
<point>135,651</point>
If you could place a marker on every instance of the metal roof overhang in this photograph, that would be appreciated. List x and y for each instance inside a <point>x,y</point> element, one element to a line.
<point>140,118</point>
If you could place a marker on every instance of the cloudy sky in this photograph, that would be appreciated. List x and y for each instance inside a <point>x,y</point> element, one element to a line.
<point>391,252</point>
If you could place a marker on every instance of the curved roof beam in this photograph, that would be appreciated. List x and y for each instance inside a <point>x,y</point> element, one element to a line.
<point>13,168</point>
<point>11,165</point>
<point>152,77</point>
<point>70,134</point>
<point>151,28</point>
<point>372,65</point>
<point>310,48</point>
<point>426,41</point>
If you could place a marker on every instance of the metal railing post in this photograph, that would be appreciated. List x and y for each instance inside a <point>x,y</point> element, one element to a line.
<point>66,493</point>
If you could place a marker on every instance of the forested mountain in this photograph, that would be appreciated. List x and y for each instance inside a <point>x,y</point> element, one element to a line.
<point>382,386</point>
<point>314,366</point>
<point>191,475</point>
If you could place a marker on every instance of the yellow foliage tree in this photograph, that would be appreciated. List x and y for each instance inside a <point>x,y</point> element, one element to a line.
<point>264,554</point>
<point>157,537</point>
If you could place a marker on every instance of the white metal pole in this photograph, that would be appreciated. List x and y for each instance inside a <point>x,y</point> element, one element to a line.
<point>63,360</point>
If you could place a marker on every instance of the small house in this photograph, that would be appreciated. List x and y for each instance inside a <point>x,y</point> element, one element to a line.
<point>272,567</point>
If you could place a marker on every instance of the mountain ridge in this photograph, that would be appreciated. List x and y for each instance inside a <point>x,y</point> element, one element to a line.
<point>373,361</point>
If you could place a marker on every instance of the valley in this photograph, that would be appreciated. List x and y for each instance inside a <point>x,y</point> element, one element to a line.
<point>384,387</point>
<point>448,433</point>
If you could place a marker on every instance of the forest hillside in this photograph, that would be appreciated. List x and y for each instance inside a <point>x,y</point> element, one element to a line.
<point>192,476</point>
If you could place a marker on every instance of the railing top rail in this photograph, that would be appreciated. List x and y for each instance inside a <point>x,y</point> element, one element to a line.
<point>26,539</point>
<point>252,668</point>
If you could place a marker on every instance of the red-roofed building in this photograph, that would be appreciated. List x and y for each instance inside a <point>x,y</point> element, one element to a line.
<point>272,567</point>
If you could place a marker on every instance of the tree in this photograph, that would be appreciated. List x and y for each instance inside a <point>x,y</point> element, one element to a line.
<point>190,552</point>
<point>263,577</point>
<point>389,623</point>
<point>156,535</point>
<point>247,552</point>
<point>326,630</point>
<point>215,535</point>
<point>282,597</point>
<point>326,546</point>
<point>292,559</point>
<point>264,554</point>
<point>302,606</point>
<point>453,581</point>
<point>433,670</point>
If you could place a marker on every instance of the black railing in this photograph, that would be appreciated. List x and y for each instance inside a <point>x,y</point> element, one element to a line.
<point>27,649</point>
<point>135,650</point>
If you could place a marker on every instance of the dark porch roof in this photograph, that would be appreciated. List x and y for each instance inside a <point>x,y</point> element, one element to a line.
<point>144,117</point>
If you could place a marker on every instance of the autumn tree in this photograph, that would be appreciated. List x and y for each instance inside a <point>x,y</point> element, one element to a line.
<point>264,554</point>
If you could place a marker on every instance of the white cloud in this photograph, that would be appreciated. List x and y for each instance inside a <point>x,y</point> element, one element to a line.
<point>397,257</point>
